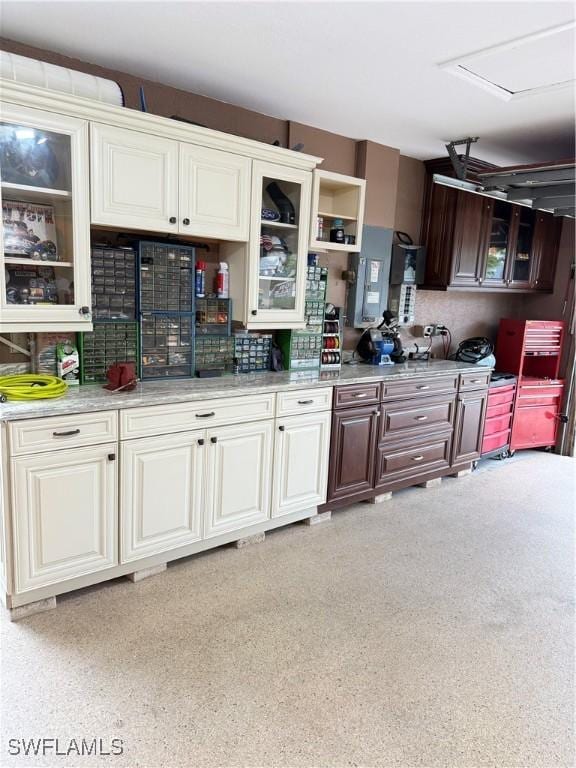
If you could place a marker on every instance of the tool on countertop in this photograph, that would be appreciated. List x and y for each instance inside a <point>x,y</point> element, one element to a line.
<point>31,386</point>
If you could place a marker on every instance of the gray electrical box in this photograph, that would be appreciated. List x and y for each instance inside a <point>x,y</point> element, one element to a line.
<point>368,296</point>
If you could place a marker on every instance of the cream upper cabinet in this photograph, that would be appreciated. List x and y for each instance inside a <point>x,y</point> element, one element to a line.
<point>214,193</point>
<point>64,514</point>
<point>239,477</point>
<point>45,239</point>
<point>161,493</point>
<point>134,179</point>
<point>301,449</point>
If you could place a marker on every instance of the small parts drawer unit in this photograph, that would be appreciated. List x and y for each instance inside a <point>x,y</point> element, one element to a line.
<point>499,413</point>
<point>532,350</point>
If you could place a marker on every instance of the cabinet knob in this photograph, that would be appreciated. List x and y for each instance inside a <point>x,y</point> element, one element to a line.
<point>254,312</point>
<point>84,310</point>
<point>172,219</point>
<point>111,457</point>
<point>535,282</point>
<point>480,280</point>
<point>201,441</point>
<point>213,439</point>
<point>281,428</point>
<point>185,222</point>
<point>375,413</point>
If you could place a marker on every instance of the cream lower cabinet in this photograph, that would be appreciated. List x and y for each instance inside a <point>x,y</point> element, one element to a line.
<point>65,514</point>
<point>161,493</point>
<point>239,477</point>
<point>301,448</point>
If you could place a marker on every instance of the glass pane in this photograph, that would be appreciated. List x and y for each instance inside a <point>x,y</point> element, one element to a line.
<point>35,167</point>
<point>33,157</point>
<point>278,263</point>
<point>498,245</point>
<point>521,267</point>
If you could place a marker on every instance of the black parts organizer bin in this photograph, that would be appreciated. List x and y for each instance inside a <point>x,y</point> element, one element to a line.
<point>113,283</point>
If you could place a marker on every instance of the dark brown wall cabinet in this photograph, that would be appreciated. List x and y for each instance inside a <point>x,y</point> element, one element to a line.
<point>413,430</point>
<point>480,243</point>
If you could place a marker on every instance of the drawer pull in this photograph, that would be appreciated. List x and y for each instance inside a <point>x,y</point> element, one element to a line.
<point>417,458</point>
<point>205,415</point>
<point>423,386</point>
<point>66,434</point>
<point>420,418</point>
<point>305,402</point>
<point>358,395</point>
<point>476,381</point>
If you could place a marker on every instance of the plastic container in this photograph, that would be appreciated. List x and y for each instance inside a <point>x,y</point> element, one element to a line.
<point>337,233</point>
<point>222,281</point>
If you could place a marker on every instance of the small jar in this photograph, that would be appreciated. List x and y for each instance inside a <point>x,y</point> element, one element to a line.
<point>337,234</point>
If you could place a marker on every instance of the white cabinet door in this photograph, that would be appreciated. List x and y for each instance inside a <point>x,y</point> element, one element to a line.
<point>239,477</point>
<point>278,250</point>
<point>214,193</point>
<point>45,208</point>
<point>64,509</point>
<point>161,496</point>
<point>134,179</point>
<point>301,448</point>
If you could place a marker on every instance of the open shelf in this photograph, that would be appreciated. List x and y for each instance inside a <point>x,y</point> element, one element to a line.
<point>36,262</point>
<point>279,279</point>
<point>337,216</point>
<point>336,196</point>
<point>326,245</point>
<point>28,189</point>
<point>278,224</point>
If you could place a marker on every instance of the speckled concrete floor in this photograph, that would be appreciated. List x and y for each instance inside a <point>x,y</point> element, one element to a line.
<point>432,630</point>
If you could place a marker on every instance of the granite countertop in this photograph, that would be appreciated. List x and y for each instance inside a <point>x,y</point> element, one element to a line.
<point>93,397</point>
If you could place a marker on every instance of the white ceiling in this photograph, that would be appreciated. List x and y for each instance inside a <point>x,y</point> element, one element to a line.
<point>368,70</point>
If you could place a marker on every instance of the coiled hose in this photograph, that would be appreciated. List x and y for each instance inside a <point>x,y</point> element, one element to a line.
<point>31,386</point>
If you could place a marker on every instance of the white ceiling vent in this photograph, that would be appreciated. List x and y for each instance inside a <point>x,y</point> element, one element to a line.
<point>531,65</point>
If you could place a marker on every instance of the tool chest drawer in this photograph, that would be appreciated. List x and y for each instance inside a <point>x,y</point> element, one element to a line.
<point>400,420</point>
<point>529,395</point>
<point>56,432</point>
<point>180,417</point>
<point>496,441</point>
<point>501,396</point>
<point>418,457</point>
<point>356,394</point>
<point>404,388</point>
<point>543,336</point>
<point>303,401</point>
<point>495,424</point>
<point>474,380</point>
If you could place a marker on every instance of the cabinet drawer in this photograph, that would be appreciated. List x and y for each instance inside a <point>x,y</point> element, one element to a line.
<point>528,396</point>
<point>534,426</point>
<point>57,432</point>
<point>356,394</point>
<point>414,417</point>
<point>180,417</point>
<point>400,462</point>
<point>495,442</point>
<point>501,396</point>
<point>303,401</point>
<point>474,380</point>
<point>494,424</point>
<point>396,390</point>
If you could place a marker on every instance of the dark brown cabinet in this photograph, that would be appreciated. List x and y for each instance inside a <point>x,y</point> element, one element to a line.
<point>469,426</point>
<point>421,428</point>
<point>481,243</point>
<point>352,451</point>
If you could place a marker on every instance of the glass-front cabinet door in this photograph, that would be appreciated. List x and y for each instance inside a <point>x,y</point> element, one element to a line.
<point>281,199</point>
<point>45,254</point>
<point>496,256</point>
<point>521,257</point>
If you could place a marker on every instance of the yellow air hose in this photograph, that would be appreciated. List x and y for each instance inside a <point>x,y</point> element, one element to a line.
<point>31,386</point>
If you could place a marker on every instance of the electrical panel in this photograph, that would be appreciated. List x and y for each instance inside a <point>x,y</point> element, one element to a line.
<point>368,295</point>
<point>402,301</point>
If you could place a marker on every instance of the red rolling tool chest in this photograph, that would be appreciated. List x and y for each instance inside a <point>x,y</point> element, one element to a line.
<point>532,350</point>
<point>499,414</point>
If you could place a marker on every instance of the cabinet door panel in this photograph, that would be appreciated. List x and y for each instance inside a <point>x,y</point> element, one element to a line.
<point>65,519</point>
<point>546,242</point>
<point>471,231</point>
<point>214,193</point>
<point>239,477</point>
<point>469,427</point>
<point>162,493</point>
<point>352,452</point>
<point>300,462</point>
<point>134,179</point>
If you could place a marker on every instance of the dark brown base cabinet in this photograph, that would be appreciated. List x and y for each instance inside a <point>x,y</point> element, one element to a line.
<point>413,431</point>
